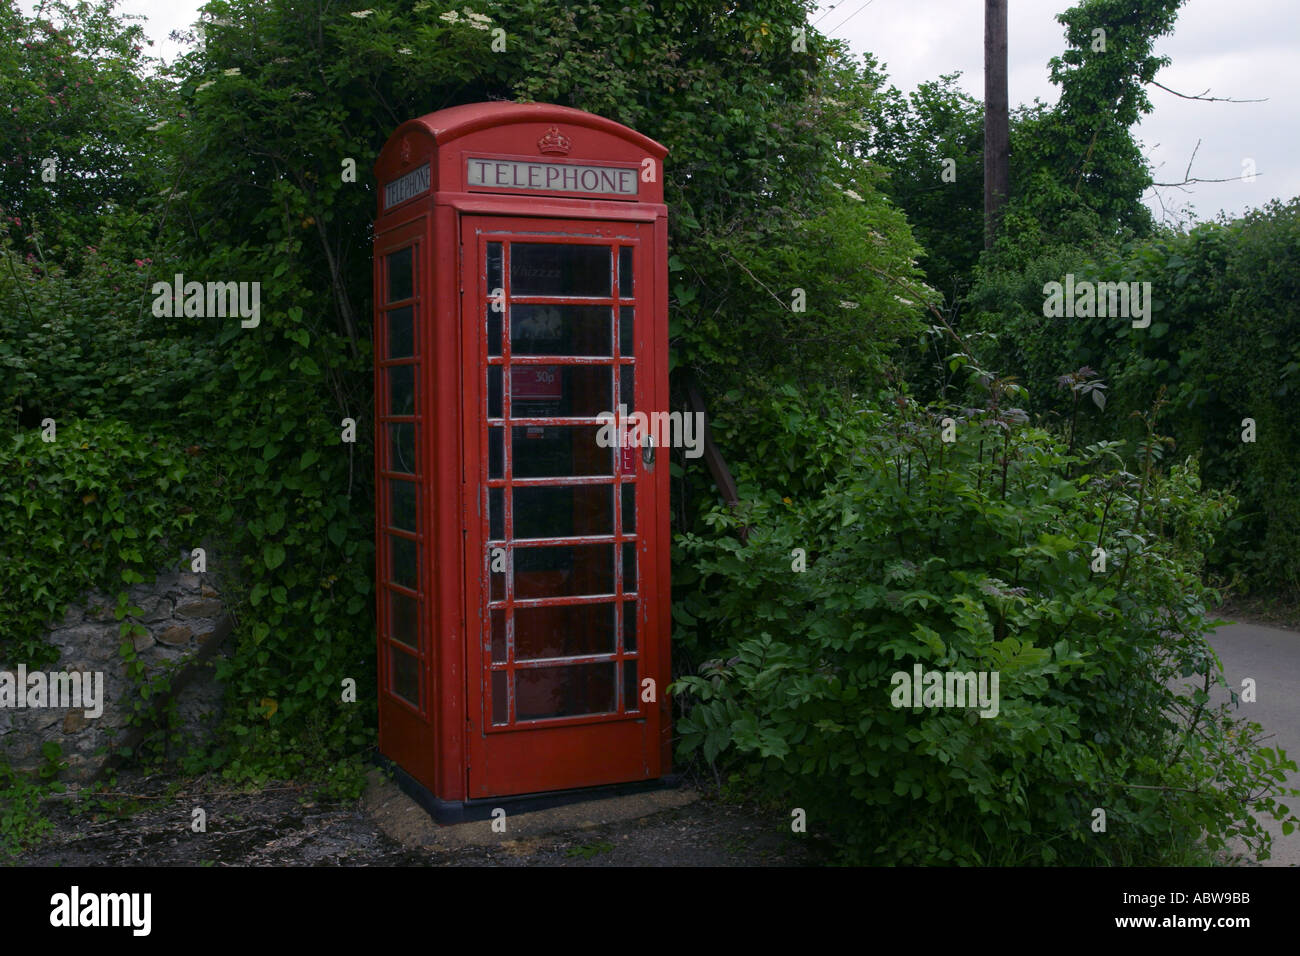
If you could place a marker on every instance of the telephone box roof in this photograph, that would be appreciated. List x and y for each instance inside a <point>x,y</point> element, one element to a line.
<point>456,121</point>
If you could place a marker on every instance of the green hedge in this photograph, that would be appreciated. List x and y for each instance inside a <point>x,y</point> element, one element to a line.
<point>1223,344</point>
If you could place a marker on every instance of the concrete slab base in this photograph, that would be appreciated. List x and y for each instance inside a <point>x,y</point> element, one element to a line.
<point>404,820</point>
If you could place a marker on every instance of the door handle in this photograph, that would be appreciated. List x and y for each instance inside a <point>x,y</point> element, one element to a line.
<point>648,457</point>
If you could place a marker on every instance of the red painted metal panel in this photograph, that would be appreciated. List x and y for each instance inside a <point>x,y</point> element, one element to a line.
<point>406,732</point>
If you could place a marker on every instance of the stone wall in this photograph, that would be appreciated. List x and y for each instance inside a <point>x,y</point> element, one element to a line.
<point>182,612</point>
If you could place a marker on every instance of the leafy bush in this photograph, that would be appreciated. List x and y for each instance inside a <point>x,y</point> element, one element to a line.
<point>87,345</point>
<point>77,86</point>
<point>975,555</point>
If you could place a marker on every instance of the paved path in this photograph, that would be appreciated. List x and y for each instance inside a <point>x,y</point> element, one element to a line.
<point>1272,657</point>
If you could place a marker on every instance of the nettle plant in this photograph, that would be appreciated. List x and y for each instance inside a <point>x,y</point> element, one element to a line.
<point>977,554</point>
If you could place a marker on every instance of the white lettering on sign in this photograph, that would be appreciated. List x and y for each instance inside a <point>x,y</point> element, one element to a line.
<point>404,187</point>
<point>558,177</point>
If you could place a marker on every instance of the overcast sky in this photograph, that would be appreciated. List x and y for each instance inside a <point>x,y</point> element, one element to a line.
<point>1238,50</point>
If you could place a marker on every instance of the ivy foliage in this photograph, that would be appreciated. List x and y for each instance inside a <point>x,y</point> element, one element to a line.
<point>1082,153</point>
<point>102,506</point>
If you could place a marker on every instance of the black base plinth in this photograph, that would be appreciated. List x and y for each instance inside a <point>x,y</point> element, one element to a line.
<point>461,811</point>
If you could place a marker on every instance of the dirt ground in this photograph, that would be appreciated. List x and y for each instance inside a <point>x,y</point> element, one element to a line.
<point>281,827</point>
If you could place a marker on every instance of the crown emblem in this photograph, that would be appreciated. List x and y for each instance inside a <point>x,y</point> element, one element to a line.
<point>405,149</point>
<point>553,141</point>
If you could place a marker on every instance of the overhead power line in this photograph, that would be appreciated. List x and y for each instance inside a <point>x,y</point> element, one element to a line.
<point>850,17</point>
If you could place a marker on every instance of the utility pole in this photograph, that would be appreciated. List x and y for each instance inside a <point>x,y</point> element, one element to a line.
<point>997,133</point>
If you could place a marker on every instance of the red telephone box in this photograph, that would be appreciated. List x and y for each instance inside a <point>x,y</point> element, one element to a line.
<point>522,564</point>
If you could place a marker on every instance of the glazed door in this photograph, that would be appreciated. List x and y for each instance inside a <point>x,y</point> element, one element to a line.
<point>561,524</point>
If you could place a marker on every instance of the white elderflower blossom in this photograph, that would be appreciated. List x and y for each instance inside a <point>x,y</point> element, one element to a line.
<point>233,71</point>
<point>204,85</point>
<point>451,16</point>
<point>362,14</point>
<point>156,126</point>
<point>405,51</point>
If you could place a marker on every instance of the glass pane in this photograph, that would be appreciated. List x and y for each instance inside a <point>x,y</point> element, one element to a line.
<point>401,390</point>
<point>400,284</point>
<point>552,268</point>
<point>496,453</point>
<point>629,625</point>
<point>629,566</point>
<point>627,387</point>
<point>629,509</point>
<point>500,699</point>
<point>401,504</point>
<point>403,566</point>
<point>563,631</point>
<point>564,512</point>
<point>564,691</point>
<point>561,329</point>
<point>494,318</point>
<point>401,332</point>
<point>494,391</point>
<point>589,390</point>
<point>625,272</point>
<point>549,451</point>
<point>497,514</point>
<point>626,318</point>
<point>401,448</point>
<point>557,391</point>
<point>564,570</point>
<point>497,563</point>
<point>631,690</point>
<point>498,637</point>
<point>406,676</point>
<point>493,269</point>
<point>404,619</point>
<point>536,390</point>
